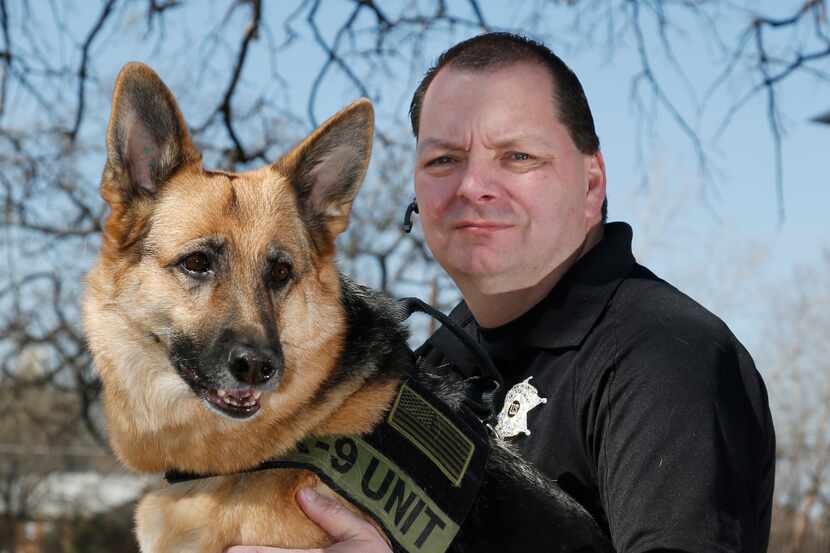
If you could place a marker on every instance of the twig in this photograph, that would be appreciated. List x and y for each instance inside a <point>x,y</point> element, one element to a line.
<point>82,70</point>
<point>5,55</point>
<point>225,107</point>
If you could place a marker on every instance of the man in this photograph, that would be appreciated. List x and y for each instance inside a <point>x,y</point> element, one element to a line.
<point>655,418</point>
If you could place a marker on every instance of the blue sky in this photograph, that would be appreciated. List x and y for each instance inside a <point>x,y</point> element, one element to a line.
<point>736,243</point>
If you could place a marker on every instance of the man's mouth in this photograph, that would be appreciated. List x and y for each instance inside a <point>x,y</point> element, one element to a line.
<point>480,225</point>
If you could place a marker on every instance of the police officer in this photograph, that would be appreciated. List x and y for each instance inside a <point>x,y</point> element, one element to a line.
<point>649,411</point>
<point>638,401</point>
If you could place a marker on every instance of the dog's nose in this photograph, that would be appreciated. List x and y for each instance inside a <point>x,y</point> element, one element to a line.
<point>253,366</point>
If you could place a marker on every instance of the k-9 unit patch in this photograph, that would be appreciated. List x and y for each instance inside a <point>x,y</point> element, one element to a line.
<point>366,476</point>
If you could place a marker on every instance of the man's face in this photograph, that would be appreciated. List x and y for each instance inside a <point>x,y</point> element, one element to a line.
<point>505,196</point>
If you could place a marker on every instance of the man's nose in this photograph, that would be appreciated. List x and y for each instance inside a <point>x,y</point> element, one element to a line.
<point>477,184</point>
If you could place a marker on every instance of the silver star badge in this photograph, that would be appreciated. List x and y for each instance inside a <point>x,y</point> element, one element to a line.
<point>521,398</point>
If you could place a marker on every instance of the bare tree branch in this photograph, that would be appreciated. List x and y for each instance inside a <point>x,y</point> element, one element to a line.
<point>83,68</point>
<point>331,52</point>
<point>5,55</point>
<point>648,75</point>
<point>225,108</point>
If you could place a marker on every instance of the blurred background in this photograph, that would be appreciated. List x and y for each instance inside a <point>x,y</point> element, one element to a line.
<point>714,118</point>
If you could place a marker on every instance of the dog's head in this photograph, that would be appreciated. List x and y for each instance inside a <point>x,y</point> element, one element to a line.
<point>214,311</point>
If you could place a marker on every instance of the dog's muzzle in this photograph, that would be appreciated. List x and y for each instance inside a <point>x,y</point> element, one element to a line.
<point>232,377</point>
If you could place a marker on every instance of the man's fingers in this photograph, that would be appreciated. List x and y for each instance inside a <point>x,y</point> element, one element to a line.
<point>335,519</point>
<point>254,549</point>
<point>351,533</point>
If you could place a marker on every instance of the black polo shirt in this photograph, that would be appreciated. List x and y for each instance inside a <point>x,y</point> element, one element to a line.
<point>656,419</point>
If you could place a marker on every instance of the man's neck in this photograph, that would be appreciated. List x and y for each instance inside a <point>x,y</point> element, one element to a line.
<point>494,310</point>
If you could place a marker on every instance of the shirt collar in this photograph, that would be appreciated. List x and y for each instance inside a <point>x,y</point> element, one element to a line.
<point>567,314</point>
<point>577,301</point>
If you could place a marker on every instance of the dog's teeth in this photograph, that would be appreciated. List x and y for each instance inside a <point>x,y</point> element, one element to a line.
<point>221,393</point>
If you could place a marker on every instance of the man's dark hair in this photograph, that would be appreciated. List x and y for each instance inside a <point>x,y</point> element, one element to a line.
<point>493,51</point>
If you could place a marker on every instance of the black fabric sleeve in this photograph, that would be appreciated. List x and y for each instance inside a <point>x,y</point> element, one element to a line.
<point>680,453</point>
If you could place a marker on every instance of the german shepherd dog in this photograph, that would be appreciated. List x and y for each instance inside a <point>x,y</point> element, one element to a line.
<point>223,334</point>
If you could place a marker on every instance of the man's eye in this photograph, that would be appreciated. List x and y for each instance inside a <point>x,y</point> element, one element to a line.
<point>197,264</point>
<point>440,160</point>
<point>519,156</point>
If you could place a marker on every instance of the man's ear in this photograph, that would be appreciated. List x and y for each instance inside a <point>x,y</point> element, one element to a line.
<point>327,168</point>
<point>147,138</point>
<point>595,189</point>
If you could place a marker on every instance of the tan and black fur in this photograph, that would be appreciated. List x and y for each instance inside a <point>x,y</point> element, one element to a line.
<point>212,283</point>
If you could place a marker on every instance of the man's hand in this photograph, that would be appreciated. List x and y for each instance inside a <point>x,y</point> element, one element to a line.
<point>351,533</point>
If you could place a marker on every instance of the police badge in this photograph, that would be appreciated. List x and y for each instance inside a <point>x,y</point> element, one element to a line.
<point>512,419</point>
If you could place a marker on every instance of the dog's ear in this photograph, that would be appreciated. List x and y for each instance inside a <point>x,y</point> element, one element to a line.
<point>327,168</point>
<point>147,138</point>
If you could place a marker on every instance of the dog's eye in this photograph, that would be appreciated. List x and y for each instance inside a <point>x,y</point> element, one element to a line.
<point>198,263</point>
<point>280,272</point>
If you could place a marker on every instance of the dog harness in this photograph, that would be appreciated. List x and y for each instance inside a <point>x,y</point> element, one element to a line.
<point>417,474</point>
<point>420,470</point>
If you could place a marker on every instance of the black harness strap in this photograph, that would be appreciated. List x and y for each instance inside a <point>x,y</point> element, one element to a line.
<point>483,389</point>
<point>490,371</point>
